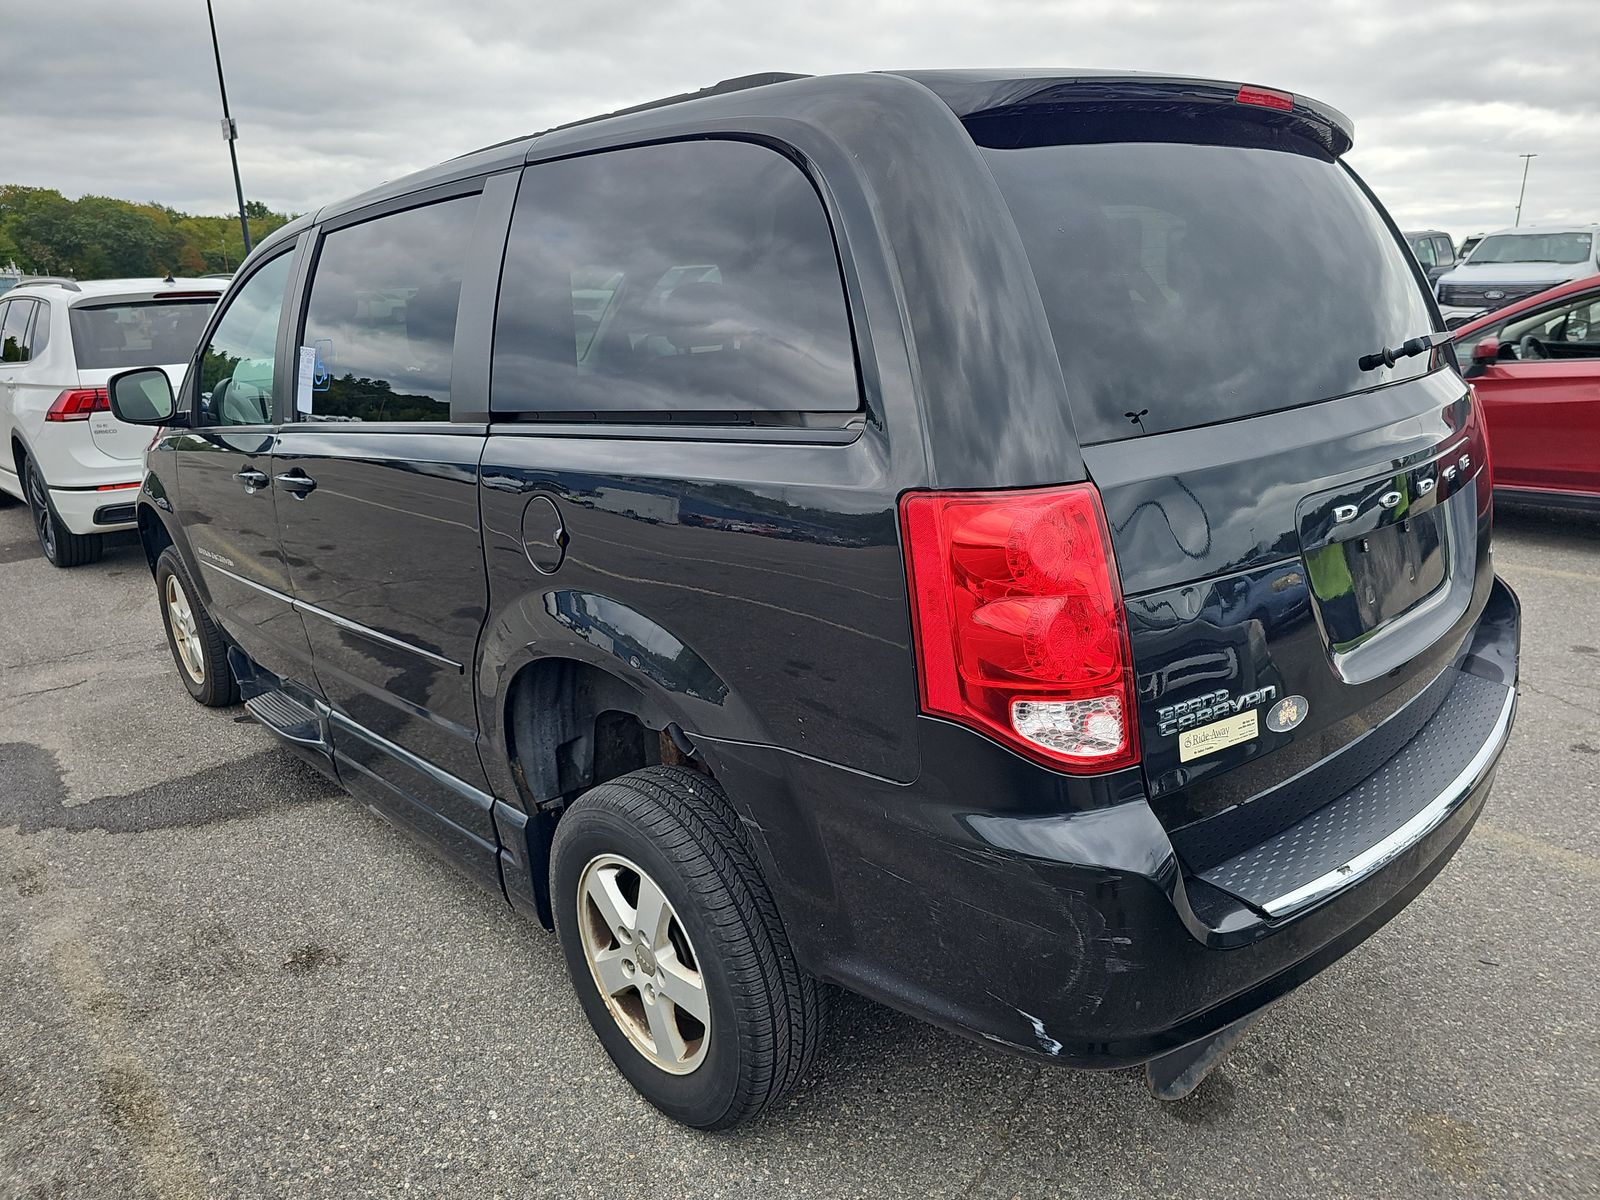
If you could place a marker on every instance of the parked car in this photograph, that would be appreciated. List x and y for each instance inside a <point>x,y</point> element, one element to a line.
<point>64,453</point>
<point>1434,251</point>
<point>1468,245</point>
<point>1513,264</point>
<point>939,565</point>
<point>1536,369</point>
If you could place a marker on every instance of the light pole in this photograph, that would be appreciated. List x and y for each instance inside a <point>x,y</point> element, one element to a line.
<point>1526,160</point>
<point>230,131</point>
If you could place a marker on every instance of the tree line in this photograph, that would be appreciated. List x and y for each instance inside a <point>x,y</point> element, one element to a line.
<point>98,237</point>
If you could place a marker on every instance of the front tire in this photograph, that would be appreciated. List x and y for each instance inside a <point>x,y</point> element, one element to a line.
<point>62,547</point>
<point>196,643</point>
<point>676,950</point>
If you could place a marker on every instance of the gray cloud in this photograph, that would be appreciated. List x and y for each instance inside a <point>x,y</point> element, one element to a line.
<point>119,98</point>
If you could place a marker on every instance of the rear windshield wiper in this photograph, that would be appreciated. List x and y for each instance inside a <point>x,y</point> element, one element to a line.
<point>1387,357</point>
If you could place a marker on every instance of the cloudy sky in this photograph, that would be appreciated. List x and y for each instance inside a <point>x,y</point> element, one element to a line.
<point>118,97</point>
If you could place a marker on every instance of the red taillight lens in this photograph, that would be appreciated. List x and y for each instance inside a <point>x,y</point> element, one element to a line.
<point>1020,631</point>
<point>1265,98</point>
<point>76,404</point>
<point>1477,431</point>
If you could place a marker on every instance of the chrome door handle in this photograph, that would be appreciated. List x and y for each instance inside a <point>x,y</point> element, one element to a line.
<point>298,483</point>
<point>252,479</point>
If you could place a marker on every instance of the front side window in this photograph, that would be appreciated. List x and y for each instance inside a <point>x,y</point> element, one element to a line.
<point>145,333</point>
<point>1568,330</point>
<point>382,314</point>
<point>1424,251</point>
<point>237,368</point>
<point>680,278</point>
<point>14,347</point>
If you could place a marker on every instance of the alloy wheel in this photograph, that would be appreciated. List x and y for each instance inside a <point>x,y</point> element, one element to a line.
<point>39,501</point>
<point>643,963</point>
<point>185,632</point>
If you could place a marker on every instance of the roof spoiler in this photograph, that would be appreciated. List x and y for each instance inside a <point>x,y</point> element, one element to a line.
<point>976,101</point>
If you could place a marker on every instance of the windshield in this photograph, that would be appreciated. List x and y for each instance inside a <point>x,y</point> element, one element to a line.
<point>1188,284</point>
<point>1533,247</point>
<point>142,334</point>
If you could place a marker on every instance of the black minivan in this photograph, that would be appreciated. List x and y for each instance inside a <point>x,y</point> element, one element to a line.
<point>1010,544</point>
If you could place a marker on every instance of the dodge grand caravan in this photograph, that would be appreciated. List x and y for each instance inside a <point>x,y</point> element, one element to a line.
<point>1013,545</point>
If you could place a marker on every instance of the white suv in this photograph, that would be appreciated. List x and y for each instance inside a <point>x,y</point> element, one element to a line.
<point>1511,264</point>
<point>61,450</point>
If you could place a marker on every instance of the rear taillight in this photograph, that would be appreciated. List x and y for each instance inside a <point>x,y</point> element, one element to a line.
<point>75,404</point>
<point>1019,624</point>
<point>1477,431</point>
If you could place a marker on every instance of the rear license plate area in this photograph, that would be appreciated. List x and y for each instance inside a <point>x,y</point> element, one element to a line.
<point>1372,555</point>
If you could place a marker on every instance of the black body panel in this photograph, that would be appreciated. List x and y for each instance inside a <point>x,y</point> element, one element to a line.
<point>387,571</point>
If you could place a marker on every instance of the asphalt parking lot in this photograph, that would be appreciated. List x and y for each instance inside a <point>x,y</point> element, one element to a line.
<point>219,977</point>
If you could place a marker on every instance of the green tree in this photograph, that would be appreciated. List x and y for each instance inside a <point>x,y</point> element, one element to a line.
<point>101,237</point>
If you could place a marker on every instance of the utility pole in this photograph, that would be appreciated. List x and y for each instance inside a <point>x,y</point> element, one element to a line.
<point>230,131</point>
<point>1526,160</point>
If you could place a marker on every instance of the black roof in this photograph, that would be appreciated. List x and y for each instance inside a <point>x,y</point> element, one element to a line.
<point>966,93</point>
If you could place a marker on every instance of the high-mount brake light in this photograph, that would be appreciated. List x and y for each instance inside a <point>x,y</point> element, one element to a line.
<point>1019,625</point>
<point>75,404</point>
<point>1265,98</point>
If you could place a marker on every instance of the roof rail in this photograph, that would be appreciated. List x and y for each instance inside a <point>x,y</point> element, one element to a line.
<point>49,281</point>
<point>739,84</point>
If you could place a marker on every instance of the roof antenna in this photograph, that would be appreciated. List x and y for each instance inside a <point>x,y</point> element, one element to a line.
<point>169,278</point>
<point>1137,418</point>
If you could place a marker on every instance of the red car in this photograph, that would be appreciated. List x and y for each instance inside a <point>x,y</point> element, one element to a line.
<point>1536,367</point>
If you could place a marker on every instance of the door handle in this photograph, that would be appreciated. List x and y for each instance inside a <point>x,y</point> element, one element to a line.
<point>297,483</point>
<point>252,479</point>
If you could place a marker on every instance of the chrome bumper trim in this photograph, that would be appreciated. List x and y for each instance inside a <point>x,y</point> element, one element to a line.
<point>1429,818</point>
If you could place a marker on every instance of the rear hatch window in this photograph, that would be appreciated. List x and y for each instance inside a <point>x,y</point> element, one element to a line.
<point>1197,269</point>
<point>145,333</point>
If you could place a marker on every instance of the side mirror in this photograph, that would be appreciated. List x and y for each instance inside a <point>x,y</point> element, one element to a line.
<point>141,397</point>
<point>1485,353</point>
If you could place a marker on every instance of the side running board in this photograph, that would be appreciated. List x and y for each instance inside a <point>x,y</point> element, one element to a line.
<point>288,718</point>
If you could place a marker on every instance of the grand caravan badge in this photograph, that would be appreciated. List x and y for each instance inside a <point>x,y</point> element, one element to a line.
<point>1175,718</point>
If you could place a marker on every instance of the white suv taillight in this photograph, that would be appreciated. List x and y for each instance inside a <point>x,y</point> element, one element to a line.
<point>1019,624</point>
<point>75,404</point>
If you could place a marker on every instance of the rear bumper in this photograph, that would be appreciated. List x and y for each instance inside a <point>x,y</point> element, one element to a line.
<point>90,510</point>
<point>1076,936</point>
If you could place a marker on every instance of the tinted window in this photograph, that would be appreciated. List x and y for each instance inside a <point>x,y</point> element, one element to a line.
<point>1423,247</point>
<point>236,371</point>
<point>1188,284</point>
<point>1443,251</point>
<point>14,331</point>
<point>146,334</point>
<point>696,276</point>
<point>382,314</point>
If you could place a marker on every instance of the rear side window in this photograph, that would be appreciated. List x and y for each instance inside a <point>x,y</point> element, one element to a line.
<point>144,334</point>
<point>680,278</point>
<point>1188,283</point>
<point>382,314</point>
<point>15,346</point>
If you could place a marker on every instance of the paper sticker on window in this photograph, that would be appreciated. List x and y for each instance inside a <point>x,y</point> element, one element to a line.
<point>303,381</point>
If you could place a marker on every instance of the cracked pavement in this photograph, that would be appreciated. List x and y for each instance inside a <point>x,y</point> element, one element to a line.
<point>220,977</point>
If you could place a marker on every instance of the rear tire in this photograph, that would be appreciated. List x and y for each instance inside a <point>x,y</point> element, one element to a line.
<point>674,829</point>
<point>196,643</point>
<point>62,547</point>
